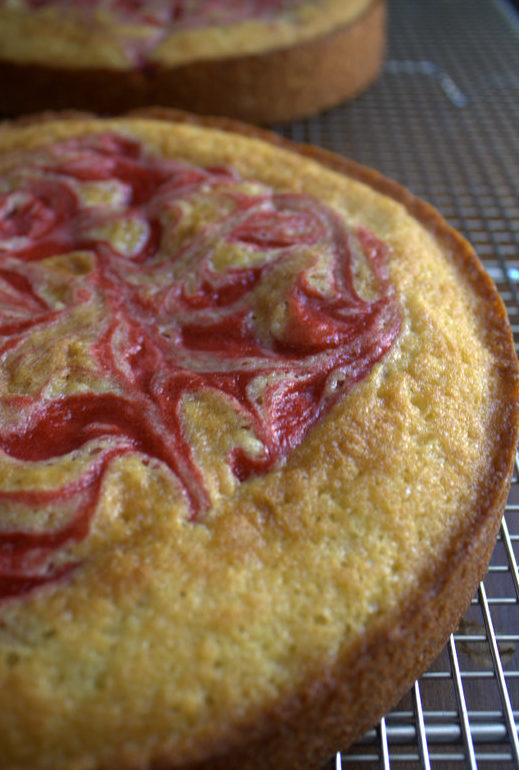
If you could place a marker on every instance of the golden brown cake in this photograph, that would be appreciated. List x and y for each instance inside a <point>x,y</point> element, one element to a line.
<point>258,410</point>
<point>256,60</point>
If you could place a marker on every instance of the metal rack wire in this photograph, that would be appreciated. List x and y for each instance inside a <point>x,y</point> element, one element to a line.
<point>443,119</point>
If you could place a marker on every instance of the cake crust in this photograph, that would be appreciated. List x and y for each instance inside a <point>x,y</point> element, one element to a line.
<point>311,71</point>
<point>436,535</point>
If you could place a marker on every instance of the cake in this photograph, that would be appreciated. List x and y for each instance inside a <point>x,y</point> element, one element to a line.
<point>258,417</point>
<point>256,60</point>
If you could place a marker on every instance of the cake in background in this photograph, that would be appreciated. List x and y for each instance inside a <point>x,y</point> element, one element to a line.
<point>255,60</point>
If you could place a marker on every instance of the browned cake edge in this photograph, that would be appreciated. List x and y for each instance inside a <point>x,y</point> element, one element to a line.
<point>282,84</point>
<point>335,707</point>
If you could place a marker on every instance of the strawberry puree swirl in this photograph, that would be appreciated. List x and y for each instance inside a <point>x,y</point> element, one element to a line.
<point>180,14</point>
<point>277,333</point>
<point>156,19</point>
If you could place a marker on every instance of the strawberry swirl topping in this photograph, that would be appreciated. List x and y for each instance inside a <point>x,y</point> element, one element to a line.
<point>179,14</point>
<point>130,282</point>
<point>139,26</point>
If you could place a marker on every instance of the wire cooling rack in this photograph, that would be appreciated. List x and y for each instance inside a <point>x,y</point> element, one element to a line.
<point>443,119</point>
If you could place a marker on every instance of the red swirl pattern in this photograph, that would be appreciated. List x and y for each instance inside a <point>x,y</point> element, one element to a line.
<point>154,20</point>
<point>170,324</point>
<point>180,14</point>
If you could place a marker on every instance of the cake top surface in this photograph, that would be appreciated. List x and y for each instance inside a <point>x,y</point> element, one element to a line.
<point>178,13</point>
<point>119,33</point>
<point>249,404</point>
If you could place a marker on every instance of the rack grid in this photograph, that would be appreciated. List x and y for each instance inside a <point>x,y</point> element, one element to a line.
<point>443,119</point>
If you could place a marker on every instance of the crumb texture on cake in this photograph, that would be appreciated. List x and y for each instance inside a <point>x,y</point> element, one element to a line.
<point>212,564</point>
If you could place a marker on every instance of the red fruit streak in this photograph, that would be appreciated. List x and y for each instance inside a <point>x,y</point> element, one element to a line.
<point>161,340</point>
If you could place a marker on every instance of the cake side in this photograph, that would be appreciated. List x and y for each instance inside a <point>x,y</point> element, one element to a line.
<point>302,587</point>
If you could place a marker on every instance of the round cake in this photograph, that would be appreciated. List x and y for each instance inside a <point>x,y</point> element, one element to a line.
<point>258,413</point>
<point>256,60</point>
